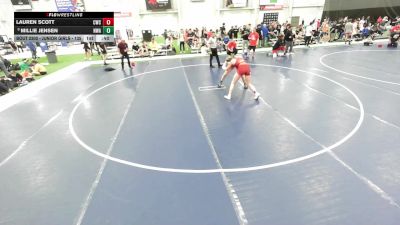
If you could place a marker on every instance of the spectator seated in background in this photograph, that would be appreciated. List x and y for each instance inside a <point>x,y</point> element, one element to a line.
<point>7,64</point>
<point>27,75</point>
<point>38,69</point>
<point>168,47</point>
<point>168,43</point>
<point>3,88</point>
<point>12,44</point>
<point>220,45</point>
<point>16,77</point>
<point>143,50</point>
<point>365,32</point>
<point>204,50</point>
<point>195,44</point>
<point>225,41</point>
<point>394,36</point>
<point>278,46</point>
<point>135,48</point>
<point>299,38</point>
<point>24,65</point>
<point>14,80</point>
<point>6,84</point>
<point>153,46</point>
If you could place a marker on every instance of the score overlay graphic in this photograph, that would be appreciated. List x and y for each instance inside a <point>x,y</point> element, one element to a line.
<point>64,26</point>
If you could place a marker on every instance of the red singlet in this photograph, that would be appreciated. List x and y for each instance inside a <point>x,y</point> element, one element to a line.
<point>242,67</point>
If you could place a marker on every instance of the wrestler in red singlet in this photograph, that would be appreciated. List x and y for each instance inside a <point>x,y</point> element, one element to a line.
<point>242,67</point>
<point>242,72</point>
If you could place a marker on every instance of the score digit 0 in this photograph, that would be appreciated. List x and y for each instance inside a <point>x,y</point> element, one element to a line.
<point>108,30</point>
<point>108,21</point>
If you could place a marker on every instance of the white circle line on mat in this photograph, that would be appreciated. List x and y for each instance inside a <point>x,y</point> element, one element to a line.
<point>223,170</point>
<point>352,74</point>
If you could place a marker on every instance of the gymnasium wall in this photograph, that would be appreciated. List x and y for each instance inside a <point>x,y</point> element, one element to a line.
<point>358,8</point>
<point>184,13</point>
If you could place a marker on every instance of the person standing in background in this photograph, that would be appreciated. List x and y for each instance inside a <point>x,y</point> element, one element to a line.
<point>223,30</point>
<point>245,36</point>
<point>253,41</point>
<point>308,34</point>
<point>19,46</point>
<point>103,50</point>
<point>289,36</point>
<point>13,45</point>
<point>88,52</point>
<point>123,50</point>
<point>318,24</point>
<point>209,34</point>
<point>32,48</point>
<point>348,29</point>
<point>325,30</point>
<point>230,33</point>
<point>235,32</point>
<point>181,37</point>
<point>231,48</point>
<point>265,33</point>
<point>3,66</point>
<point>212,44</point>
<point>260,35</point>
<point>165,34</point>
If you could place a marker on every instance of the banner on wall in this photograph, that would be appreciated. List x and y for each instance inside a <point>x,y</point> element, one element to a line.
<point>235,3</point>
<point>270,7</point>
<point>122,14</point>
<point>21,4</point>
<point>70,5</point>
<point>270,2</point>
<point>158,4</point>
<point>266,5</point>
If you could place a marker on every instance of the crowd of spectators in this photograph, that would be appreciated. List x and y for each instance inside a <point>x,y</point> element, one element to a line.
<point>18,74</point>
<point>313,32</point>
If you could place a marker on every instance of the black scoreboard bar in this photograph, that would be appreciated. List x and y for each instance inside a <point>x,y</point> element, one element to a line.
<point>64,26</point>
<point>58,22</point>
<point>39,30</point>
<point>75,15</point>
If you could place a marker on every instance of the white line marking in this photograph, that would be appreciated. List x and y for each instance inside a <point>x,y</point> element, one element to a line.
<point>316,69</point>
<point>95,183</point>
<point>228,185</point>
<point>385,122</point>
<point>211,88</point>
<point>352,74</point>
<point>228,170</point>
<point>346,104</point>
<point>329,96</point>
<point>103,165</point>
<point>23,144</point>
<point>77,98</point>
<point>370,184</point>
<point>354,108</point>
<point>373,86</point>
